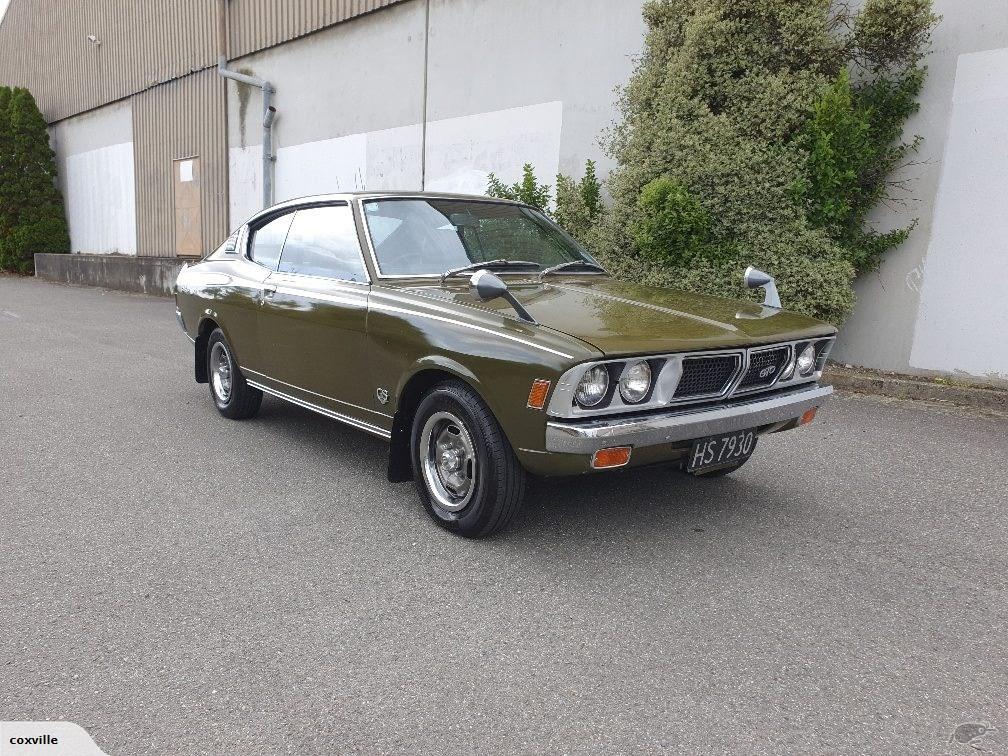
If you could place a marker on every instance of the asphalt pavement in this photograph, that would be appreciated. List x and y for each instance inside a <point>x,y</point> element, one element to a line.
<point>178,583</point>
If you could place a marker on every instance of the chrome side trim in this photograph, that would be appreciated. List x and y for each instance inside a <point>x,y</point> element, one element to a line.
<point>588,436</point>
<point>360,424</point>
<point>314,393</point>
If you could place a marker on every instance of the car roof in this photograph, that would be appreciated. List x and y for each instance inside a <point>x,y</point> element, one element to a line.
<point>388,194</point>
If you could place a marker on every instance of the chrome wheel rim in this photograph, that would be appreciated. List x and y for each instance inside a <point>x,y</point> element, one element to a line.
<point>448,461</point>
<point>221,372</point>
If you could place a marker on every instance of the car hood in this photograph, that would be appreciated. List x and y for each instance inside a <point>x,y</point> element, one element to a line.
<point>619,318</point>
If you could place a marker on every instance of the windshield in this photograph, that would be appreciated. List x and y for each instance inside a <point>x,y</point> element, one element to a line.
<point>430,236</point>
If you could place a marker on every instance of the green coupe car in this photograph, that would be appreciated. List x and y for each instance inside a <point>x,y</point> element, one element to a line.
<point>485,344</point>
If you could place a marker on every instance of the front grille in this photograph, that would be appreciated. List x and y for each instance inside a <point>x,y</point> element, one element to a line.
<point>765,366</point>
<point>706,376</point>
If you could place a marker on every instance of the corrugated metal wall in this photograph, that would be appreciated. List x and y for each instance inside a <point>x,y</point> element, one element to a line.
<point>44,44</point>
<point>181,119</point>
<point>163,54</point>
<point>257,24</point>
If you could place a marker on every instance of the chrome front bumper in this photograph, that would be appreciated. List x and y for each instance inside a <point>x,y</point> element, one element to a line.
<point>588,436</point>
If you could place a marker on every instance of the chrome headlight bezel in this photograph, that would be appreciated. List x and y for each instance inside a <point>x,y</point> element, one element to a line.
<point>598,374</point>
<point>635,371</point>
<point>805,363</point>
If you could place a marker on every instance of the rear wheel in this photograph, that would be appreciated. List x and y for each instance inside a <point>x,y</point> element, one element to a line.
<point>233,397</point>
<point>467,475</point>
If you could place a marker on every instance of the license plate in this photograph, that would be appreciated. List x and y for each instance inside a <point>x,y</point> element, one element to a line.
<point>720,451</point>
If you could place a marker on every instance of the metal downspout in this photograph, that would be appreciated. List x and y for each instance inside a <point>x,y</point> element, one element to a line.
<point>269,112</point>
<point>423,119</point>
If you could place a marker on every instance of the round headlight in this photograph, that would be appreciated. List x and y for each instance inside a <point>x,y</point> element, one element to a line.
<point>635,382</point>
<point>593,387</point>
<point>806,361</point>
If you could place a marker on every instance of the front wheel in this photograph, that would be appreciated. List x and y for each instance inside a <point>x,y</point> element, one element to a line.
<point>467,475</point>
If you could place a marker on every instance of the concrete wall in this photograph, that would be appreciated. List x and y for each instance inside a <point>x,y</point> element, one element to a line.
<point>508,82</point>
<point>914,314</point>
<point>94,154</point>
<point>963,314</point>
<point>144,275</point>
<point>349,101</point>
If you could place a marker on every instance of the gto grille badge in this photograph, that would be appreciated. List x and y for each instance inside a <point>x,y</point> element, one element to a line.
<point>767,371</point>
<point>382,395</point>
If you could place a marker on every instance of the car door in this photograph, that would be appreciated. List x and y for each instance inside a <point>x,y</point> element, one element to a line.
<point>313,318</point>
<point>241,319</point>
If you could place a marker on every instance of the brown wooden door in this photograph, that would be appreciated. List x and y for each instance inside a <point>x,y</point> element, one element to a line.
<point>188,209</point>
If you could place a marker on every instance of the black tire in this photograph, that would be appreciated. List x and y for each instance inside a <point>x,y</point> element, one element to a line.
<point>496,480</point>
<point>720,472</point>
<point>232,396</point>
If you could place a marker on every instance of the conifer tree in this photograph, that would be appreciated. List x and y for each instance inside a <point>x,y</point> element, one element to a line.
<point>32,195</point>
<point>6,205</point>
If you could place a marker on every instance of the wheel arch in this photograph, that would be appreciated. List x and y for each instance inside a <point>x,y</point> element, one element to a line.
<point>426,374</point>
<point>206,326</point>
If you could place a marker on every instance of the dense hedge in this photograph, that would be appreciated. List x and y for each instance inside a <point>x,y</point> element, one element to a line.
<point>32,217</point>
<point>760,132</point>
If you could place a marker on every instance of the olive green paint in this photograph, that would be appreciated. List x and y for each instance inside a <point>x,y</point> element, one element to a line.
<point>335,344</point>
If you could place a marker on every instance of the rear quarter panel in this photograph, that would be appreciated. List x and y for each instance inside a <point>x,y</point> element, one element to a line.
<point>226,291</point>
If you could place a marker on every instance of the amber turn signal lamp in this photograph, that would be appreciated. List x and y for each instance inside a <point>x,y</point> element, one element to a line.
<point>808,417</point>
<point>617,456</point>
<point>537,396</point>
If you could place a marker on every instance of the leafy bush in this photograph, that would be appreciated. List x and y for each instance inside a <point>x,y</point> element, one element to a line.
<point>579,203</point>
<point>528,190</point>
<point>32,217</point>
<point>762,132</point>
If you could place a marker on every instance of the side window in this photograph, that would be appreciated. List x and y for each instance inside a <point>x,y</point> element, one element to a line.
<point>269,240</point>
<point>323,242</point>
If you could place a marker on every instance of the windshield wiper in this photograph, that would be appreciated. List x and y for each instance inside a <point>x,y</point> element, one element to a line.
<point>570,264</point>
<point>500,263</point>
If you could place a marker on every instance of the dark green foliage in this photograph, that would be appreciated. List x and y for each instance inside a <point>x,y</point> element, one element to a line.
<point>671,227</point>
<point>32,217</point>
<point>762,132</point>
<point>7,215</point>
<point>528,190</point>
<point>579,203</point>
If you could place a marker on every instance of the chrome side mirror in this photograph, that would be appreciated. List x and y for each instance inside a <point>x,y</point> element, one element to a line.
<point>486,287</point>
<point>755,279</point>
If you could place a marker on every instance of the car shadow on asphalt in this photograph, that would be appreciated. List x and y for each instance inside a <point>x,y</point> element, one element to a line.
<point>660,501</point>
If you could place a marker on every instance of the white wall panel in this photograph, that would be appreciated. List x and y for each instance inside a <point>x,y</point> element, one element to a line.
<point>964,307</point>
<point>329,165</point>
<point>393,158</point>
<point>244,187</point>
<point>463,151</point>
<point>100,197</point>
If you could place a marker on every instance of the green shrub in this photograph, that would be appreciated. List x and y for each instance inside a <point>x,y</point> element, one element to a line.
<point>528,190</point>
<point>762,132</point>
<point>670,226</point>
<point>578,203</point>
<point>32,216</point>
